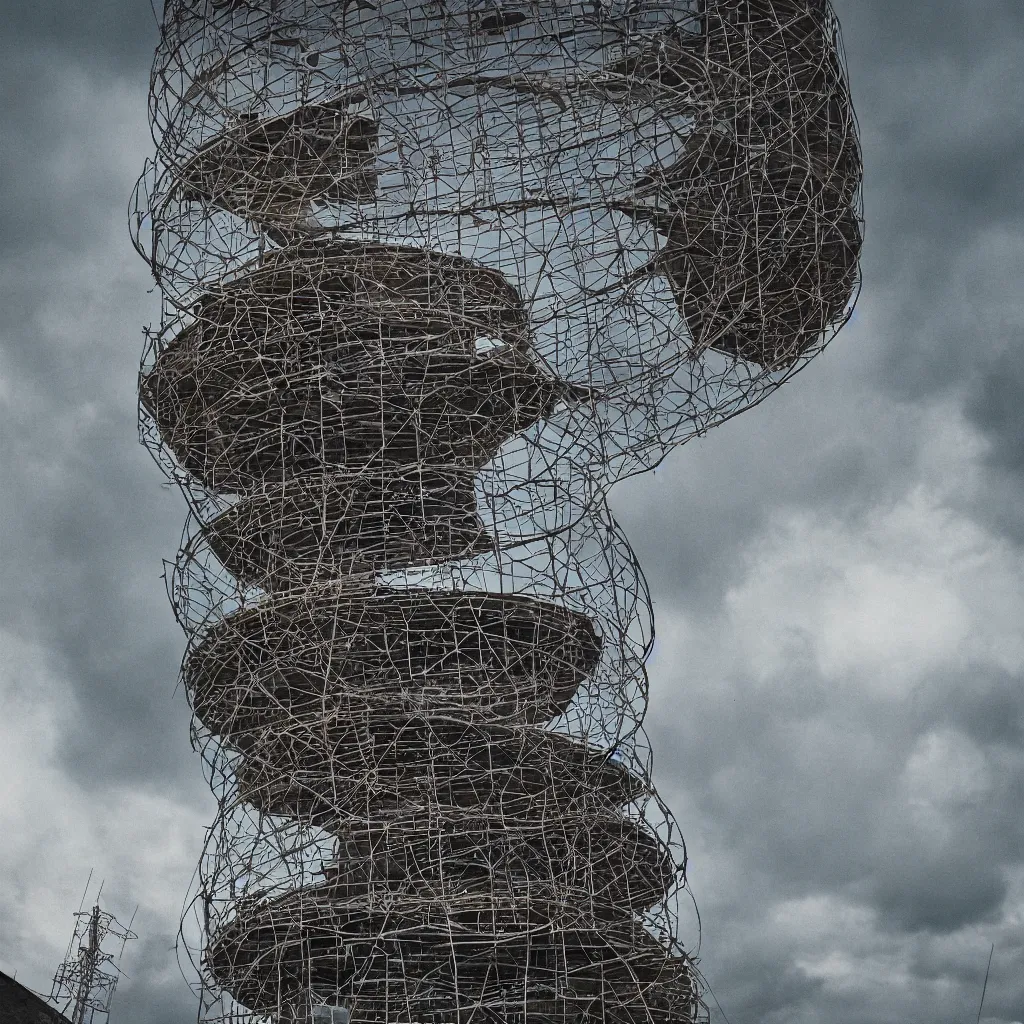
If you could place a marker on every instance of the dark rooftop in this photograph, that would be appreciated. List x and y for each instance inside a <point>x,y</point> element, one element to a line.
<point>19,1006</point>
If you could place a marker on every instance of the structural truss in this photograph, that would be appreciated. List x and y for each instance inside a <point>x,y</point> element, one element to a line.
<point>434,276</point>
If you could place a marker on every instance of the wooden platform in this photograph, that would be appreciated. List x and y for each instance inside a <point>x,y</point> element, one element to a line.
<point>317,528</point>
<point>459,655</point>
<point>460,953</point>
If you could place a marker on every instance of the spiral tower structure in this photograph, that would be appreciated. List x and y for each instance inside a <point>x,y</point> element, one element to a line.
<point>434,276</point>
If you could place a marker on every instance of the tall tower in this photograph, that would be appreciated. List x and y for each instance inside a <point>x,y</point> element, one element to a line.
<point>435,275</point>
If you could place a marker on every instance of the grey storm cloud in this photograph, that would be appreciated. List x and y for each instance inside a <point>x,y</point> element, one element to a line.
<point>837,693</point>
<point>82,519</point>
<point>119,34</point>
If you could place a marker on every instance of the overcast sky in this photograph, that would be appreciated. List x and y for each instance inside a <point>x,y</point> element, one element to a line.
<point>837,710</point>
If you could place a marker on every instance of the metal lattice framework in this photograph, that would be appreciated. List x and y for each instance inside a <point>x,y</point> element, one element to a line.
<point>435,275</point>
<point>85,982</point>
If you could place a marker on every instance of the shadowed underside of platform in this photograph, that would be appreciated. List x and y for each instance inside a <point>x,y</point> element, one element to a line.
<point>20,1006</point>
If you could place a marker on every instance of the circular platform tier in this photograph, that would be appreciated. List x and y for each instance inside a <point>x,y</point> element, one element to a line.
<point>382,765</point>
<point>390,298</point>
<point>760,213</point>
<point>613,863</point>
<point>761,256</point>
<point>746,51</point>
<point>267,169</point>
<point>466,953</point>
<point>324,652</point>
<point>347,356</point>
<point>235,418</point>
<point>315,529</point>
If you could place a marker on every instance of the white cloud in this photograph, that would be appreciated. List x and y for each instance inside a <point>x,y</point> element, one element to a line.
<point>881,602</point>
<point>799,724</point>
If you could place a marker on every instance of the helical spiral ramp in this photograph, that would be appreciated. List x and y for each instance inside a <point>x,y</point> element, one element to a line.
<point>434,276</point>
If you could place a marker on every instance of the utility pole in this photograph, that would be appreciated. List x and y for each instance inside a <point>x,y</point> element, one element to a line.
<point>89,958</point>
<point>82,982</point>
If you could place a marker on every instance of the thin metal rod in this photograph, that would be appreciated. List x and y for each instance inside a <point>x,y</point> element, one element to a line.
<point>984,988</point>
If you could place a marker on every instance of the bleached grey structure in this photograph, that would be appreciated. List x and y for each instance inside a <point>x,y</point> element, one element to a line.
<point>435,275</point>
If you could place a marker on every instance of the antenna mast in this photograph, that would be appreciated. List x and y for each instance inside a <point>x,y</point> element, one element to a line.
<point>83,982</point>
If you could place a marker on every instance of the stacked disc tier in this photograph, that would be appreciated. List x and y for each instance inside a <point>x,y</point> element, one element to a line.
<point>759,211</point>
<point>345,396</point>
<point>350,356</point>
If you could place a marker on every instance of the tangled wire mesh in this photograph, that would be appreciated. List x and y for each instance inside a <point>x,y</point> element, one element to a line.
<point>434,276</point>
